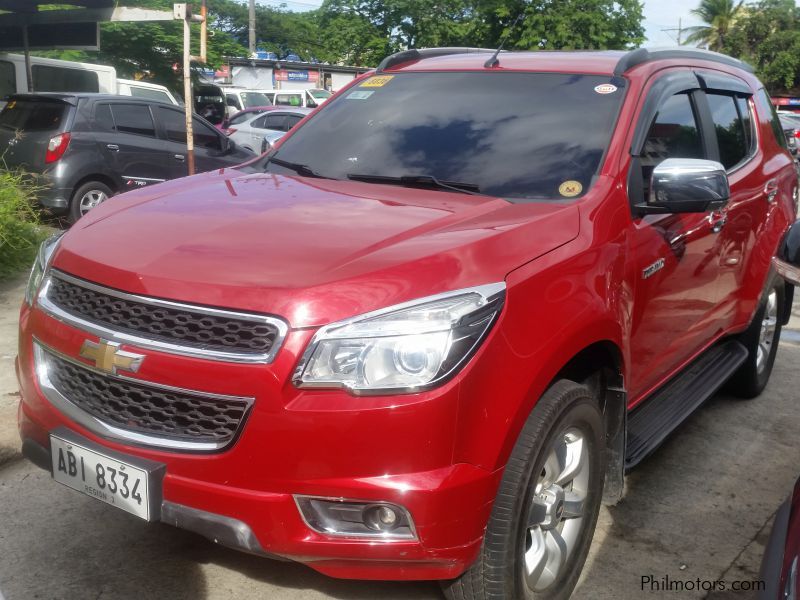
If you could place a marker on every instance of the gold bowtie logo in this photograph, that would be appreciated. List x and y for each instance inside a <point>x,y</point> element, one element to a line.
<point>108,357</point>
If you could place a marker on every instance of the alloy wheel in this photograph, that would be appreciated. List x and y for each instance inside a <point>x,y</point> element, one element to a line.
<point>91,199</point>
<point>556,511</point>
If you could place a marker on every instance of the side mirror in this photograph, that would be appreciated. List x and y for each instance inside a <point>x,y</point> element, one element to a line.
<point>686,185</point>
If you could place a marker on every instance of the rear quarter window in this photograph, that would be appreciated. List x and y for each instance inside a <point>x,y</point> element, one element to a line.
<point>28,115</point>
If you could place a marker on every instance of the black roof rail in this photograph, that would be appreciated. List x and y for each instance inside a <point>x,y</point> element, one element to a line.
<point>408,55</point>
<point>643,55</point>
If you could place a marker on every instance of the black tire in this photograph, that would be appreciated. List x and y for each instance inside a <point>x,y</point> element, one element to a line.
<point>499,572</point>
<point>75,210</point>
<point>752,377</point>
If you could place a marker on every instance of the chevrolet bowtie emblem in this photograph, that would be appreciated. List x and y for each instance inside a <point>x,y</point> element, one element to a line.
<point>108,357</point>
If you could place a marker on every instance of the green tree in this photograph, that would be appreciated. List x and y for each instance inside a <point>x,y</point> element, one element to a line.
<point>767,35</point>
<point>719,17</point>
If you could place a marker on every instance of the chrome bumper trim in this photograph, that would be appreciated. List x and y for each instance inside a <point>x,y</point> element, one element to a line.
<point>50,308</point>
<point>95,425</point>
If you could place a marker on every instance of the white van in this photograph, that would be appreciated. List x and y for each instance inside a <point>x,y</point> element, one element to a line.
<point>51,75</point>
<point>143,89</point>
<point>309,98</point>
<point>237,99</point>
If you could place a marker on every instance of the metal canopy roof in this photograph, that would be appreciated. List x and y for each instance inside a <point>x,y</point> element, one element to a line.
<point>29,6</point>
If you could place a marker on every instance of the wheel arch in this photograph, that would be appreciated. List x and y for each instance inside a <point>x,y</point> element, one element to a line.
<point>100,178</point>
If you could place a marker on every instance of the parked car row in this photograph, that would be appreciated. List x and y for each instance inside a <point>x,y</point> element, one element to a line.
<point>88,147</point>
<point>238,99</point>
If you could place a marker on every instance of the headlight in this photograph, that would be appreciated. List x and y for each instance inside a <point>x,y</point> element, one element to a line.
<point>40,266</point>
<point>403,348</point>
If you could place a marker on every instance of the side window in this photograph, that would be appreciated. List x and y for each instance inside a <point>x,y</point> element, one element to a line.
<point>102,117</point>
<point>288,100</point>
<point>174,124</point>
<point>310,101</point>
<point>205,136</point>
<point>133,118</point>
<point>259,123</point>
<point>241,117</point>
<point>8,79</point>
<point>232,100</point>
<point>59,79</point>
<point>291,121</point>
<point>768,110</point>
<point>150,94</point>
<point>674,132</point>
<point>733,145</point>
<point>275,122</point>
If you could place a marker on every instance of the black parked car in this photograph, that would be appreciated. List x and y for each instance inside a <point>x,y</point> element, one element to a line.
<point>88,147</point>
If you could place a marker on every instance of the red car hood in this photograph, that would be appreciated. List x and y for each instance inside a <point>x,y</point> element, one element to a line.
<point>310,250</point>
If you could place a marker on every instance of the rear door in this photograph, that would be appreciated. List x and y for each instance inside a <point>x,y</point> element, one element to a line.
<point>729,102</point>
<point>26,126</point>
<point>126,134</point>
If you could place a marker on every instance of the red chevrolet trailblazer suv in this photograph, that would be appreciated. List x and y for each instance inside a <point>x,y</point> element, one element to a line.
<point>427,334</point>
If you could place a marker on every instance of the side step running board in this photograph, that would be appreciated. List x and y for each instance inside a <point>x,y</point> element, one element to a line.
<point>653,420</point>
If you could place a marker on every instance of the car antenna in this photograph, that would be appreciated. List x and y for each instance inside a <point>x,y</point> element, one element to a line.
<point>494,61</point>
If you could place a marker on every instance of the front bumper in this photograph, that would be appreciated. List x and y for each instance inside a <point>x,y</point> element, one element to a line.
<point>315,443</point>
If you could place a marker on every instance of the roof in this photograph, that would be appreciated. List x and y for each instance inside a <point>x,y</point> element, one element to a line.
<point>601,62</point>
<point>585,61</point>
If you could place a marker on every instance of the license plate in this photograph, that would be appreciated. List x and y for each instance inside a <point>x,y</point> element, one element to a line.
<point>110,479</point>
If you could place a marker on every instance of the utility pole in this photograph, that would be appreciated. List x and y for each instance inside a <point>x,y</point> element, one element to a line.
<point>184,13</point>
<point>252,36</point>
<point>679,30</point>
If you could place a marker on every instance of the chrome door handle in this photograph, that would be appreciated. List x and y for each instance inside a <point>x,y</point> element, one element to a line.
<point>771,190</point>
<point>112,147</point>
<point>180,157</point>
<point>717,220</point>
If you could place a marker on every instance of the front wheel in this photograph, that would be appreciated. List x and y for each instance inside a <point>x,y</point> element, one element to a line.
<point>545,513</point>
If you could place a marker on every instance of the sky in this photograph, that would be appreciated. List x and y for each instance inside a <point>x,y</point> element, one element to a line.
<point>658,15</point>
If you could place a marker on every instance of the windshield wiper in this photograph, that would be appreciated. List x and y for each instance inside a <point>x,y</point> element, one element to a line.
<point>298,168</point>
<point>418,180</point>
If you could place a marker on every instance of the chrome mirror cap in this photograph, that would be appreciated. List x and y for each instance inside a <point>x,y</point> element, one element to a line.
<point>688,185</point>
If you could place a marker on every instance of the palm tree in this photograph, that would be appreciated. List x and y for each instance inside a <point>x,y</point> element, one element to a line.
<point>719,16</point>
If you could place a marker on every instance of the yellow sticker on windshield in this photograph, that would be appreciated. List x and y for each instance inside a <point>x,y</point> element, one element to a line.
<point>377,81</point>
<point>570,189</point>
<point>11,104</point>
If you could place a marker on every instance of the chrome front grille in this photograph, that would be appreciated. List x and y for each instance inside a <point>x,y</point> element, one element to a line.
<point>137,411</point>
<point>158,324</point>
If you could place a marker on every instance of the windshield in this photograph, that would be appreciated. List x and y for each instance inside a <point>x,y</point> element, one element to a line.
<point>320,94</point>
<point>251,99</point>
<point>508,134</point>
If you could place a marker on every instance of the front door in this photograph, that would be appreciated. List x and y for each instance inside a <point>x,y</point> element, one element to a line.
<point>126,134</point>
<point>674,258</point>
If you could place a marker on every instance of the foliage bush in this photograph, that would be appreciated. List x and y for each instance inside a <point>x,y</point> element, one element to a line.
<point>20,229</point>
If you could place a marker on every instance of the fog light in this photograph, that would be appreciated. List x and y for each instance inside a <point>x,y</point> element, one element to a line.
<point>351,518</point>
<point>381,518</point>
